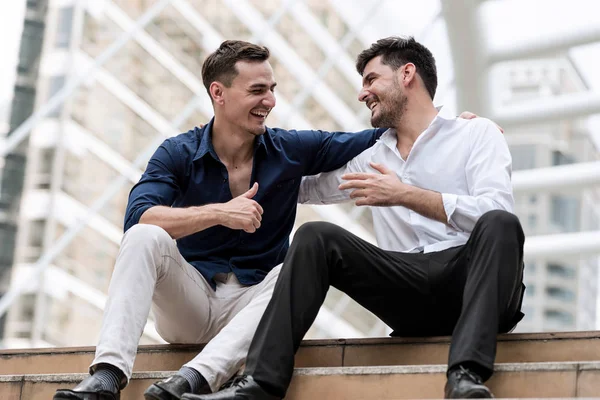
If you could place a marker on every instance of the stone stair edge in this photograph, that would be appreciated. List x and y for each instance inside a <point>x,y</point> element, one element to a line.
<point>324,371</point>
<point>77,377</point>
<point>441,368</point>
<point>510,337</point>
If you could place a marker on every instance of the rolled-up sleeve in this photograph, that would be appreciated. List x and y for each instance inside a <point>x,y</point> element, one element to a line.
<point>488,172</point>
<point>323,188</point>
<point>159,185</point>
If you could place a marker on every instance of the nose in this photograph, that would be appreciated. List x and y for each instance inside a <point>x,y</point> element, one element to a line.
<point>269,100</point>
<point>362,95</point>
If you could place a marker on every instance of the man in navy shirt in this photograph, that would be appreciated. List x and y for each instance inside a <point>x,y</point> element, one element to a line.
<point>207,227</point>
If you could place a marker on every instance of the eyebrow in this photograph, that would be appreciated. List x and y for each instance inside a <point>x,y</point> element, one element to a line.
<point>261,86</point>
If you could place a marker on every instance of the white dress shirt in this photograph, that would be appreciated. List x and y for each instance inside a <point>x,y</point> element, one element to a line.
<point>467,161</point>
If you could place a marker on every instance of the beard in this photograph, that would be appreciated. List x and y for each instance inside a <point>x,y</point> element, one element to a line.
<point>391,109</point>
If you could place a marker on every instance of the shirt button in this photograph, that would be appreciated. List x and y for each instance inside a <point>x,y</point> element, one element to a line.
<point>279,186</point>
<point>243,241</point>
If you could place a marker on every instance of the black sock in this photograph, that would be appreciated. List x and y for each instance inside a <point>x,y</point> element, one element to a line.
<point>110,377</point>
<point>194,378</point>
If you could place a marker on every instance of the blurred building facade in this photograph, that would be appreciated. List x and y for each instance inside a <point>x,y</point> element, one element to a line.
<point>561,293</point>
<point>151,88</point>
<point>12,173</point>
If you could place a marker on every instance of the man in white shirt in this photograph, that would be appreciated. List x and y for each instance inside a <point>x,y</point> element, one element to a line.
<point>450,260</point>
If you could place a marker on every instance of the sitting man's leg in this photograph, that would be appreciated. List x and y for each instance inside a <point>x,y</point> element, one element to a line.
<point>237,319</point>
<point>484,283</point>
<point>149,266</point>
<point>321,255</point>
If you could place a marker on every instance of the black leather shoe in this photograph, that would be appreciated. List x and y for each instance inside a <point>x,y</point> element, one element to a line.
<point>243,387</point>
<point>171,388</point>
<point>89,389</point>
<point>464,384</point>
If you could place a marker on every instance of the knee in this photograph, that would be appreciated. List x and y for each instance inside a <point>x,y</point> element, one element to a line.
<point>312,233</point>
<point>502,223</point>
<point>143,235</point>
<point>502,219</point>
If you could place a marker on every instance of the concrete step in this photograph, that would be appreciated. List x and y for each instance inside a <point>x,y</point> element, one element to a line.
<point>512,348</point>
<point>526,380</point>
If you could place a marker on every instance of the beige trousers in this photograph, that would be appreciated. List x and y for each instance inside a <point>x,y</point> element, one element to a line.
<point>150,271</point>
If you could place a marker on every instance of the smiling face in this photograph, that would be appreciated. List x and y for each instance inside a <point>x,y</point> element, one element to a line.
<point>249,99</point>
<point>383,94</point>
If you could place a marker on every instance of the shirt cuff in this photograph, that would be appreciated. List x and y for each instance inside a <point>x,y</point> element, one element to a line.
<point>450,200</point>
<point>135,216</point>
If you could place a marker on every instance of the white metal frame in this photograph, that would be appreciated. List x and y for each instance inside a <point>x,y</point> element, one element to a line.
<point>129,98</point>
<point>25,128</point>
<point>323,94</point>
<point>462,21</point>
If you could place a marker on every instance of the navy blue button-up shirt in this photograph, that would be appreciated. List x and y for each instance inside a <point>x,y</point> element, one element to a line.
<point>185,171</point>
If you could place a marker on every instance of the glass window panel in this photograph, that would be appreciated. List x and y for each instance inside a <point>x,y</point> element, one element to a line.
<point>64,27</point>
<point>55,84</point>
<point>560,271</point>
<point>523,156</point>
<point>565,213</point>
<point>22,105</point>
<point>560,317</point>
<point>31,46</point>
<point>560,294</point>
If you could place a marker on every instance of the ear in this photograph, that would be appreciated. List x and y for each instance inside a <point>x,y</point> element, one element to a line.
<point>216,92</point>
<point>408,74</point>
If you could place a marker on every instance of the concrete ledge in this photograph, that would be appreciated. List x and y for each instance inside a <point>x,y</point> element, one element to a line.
<point>436,369</point>
<point>507,337</point>
<point>530,380</point>
<point>512,348</point>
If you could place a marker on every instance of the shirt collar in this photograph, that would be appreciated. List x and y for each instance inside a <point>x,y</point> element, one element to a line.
<point>206,146</point>
<point>445,113</point>
<point>390,139</point>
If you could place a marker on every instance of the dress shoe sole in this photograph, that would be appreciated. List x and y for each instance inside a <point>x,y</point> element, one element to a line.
<point>71,395</point>
<point>477,394</point>
<point>157,393</point>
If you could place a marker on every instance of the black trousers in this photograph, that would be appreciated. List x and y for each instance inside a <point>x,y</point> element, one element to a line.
<point>472,292</point>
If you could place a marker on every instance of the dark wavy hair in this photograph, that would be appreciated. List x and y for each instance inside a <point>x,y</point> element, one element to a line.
<point>397,51</point>
<point>220,65</point>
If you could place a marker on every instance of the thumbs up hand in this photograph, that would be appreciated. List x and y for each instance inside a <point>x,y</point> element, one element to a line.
<point>242,212</point>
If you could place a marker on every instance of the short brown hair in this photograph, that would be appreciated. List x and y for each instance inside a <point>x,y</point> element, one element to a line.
<point>397,51</point>
<point>220,65</point>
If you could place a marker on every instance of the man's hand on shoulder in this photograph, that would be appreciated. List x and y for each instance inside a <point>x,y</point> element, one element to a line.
<point>242,212</point>
<point>470,115</point>
<point>372,189</point>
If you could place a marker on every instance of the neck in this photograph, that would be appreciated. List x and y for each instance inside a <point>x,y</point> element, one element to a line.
<point>417,116</point>
<point>232,144</point>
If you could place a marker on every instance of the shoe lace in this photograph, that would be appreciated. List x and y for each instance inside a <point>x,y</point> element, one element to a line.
<point>462,371</point>
<point>234,381</point>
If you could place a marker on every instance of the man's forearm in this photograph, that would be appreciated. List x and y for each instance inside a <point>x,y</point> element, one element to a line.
<point>181,222</point>
<point>426,202</point>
